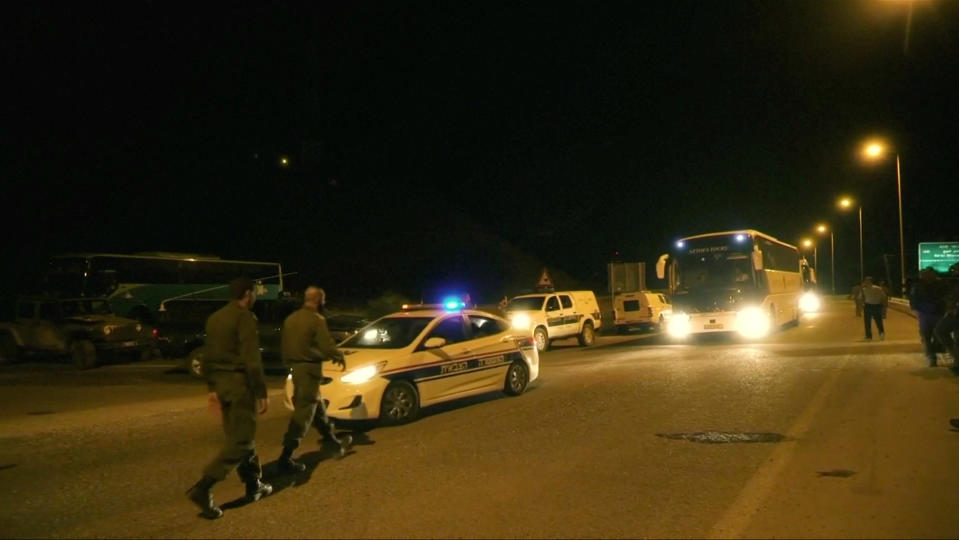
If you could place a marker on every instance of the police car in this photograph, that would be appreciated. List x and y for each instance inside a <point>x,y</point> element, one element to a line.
<point>423,355</point>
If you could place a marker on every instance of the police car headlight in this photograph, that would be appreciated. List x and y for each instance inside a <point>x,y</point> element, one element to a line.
<point>677,325</point>
<point>520,321</point>
<point>752,322</point>
<point>363,374</point>
<point>108,329</point>
<point>809,302</point>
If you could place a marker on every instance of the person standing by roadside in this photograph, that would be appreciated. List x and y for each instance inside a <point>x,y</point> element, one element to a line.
<point>305,343</point>
<point>234,374</point>
<point>947,329</point>
<point>926,300</point>
<point>874,301</point>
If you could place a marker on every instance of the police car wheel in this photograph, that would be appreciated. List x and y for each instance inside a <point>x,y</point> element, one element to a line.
<point>83,354</point>
<point>194,362</point>
<point>587,336</point>
<point>400,404</point>
<point>517,377</point>
<point>541,339</point>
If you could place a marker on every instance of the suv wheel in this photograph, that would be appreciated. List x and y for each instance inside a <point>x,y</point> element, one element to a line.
<point>588,335</point>
<point>83,354</point>
<point>541,339</point>
<point>194,362</point>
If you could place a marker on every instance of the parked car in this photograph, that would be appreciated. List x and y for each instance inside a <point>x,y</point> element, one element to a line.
<point>82,328</point>
<point>556,315</point>
<point>180,330</point>
<point>640,309</point>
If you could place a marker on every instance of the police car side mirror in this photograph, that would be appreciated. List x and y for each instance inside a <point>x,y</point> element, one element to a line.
<point>434,343</point>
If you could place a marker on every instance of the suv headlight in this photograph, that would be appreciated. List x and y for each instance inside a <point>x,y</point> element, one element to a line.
<point>108,329</point>
<point>363,374</point>
<point>520,321</point>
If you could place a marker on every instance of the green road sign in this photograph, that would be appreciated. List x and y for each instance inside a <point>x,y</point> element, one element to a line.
<point>939,255</point>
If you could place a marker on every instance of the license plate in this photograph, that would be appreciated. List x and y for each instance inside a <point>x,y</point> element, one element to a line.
<point>129,344</point>
<point>715,326</point>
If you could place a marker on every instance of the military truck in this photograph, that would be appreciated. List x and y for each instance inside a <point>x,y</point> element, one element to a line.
<point>82,329</point>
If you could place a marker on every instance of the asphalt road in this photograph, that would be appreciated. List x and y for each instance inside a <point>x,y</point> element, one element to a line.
<point>809,433</point>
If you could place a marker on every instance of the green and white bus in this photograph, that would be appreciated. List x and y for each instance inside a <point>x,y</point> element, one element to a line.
<point>744,282</point>
<point>136,285</point>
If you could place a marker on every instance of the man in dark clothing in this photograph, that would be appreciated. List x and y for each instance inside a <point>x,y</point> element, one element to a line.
<point>948,326</point>
<point>926,300</point>
<point>305,343</point>
<point>234,375</point>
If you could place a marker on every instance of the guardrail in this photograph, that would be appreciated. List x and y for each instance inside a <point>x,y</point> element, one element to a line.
<point>901,305</point>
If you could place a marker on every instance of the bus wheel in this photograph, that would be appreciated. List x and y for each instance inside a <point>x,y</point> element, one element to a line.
<point>83,354</point>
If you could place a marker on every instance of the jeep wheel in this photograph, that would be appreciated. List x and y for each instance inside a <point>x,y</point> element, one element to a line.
<point>194,362</point>
<point>541,339</point>
<point>83,354</point>
<point>587,336</point>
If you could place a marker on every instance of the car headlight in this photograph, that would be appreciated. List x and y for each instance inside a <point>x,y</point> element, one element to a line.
<point>677,325</point>
<point>108,329</point>
<point>363,374</point>
<point>139,327</point>
<point>752,322</point>
<point>520,321</point>
<point>809,302</point>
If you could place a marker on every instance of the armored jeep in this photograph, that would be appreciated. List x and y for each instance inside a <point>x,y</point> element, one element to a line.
<point>84,329</point>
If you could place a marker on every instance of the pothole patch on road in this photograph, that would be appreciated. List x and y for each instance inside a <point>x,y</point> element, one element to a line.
<point>38,413</point>
<point>836,473</point>
<point>721,437</point>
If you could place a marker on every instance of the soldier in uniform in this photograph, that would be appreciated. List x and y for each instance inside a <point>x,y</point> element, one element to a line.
<point>234,375</point>
<point>305,343</point>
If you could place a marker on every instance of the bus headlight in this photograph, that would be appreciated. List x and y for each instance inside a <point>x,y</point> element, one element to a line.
<point>677,325</point>
<point>809,302</point>
<point>520,321</point>
<point>363,374</point>
<point>752,322</point>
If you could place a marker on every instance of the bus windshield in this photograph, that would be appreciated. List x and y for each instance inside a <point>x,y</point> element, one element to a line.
<point>714,270</point>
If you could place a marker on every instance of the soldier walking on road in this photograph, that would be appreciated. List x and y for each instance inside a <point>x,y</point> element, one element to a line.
<point>234,374</point>
<point>926,299</point>
<point>305,343</point>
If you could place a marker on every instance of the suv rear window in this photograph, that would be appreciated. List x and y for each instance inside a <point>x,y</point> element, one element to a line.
<point>630,305</point>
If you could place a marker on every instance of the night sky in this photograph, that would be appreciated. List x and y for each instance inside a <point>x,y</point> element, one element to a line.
<point>468,144</point>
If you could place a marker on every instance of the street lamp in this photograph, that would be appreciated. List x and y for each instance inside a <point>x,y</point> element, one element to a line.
<point>846,203</point>
<point>821,229</point>
<point>873,151</point>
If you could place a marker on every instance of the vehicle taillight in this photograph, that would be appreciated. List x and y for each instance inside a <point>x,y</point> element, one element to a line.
<point>156,333</point>
<point>524,343</point>
<point>650,311</point>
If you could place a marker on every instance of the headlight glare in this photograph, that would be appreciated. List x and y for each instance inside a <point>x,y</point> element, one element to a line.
<point>677,325</point>
<point>809,302</point>
<point>363,374</point>
<point>752,322</point>
<point>520,321</point>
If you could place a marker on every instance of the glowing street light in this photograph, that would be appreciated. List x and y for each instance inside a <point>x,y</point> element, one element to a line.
<point>846,203</point>
<point>815,252</point>
<point>821,229</point>
<point>873,151</point>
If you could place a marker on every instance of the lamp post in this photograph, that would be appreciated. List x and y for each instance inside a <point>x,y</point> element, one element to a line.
<point>846,203</point>
<point>872,151</point>
<point>815,252</point>
<point>821,229</point>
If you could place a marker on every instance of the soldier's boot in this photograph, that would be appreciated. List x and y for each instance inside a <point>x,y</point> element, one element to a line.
<point>287,464</point>
<point>343,442</point>
<point>255,490</point>
<point>201,494</point>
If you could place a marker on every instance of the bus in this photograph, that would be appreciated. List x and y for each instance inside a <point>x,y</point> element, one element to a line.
<point>136,285</point>
<point>743,282</point>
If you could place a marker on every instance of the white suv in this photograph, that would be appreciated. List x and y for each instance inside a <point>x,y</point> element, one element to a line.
<point>556,315</point>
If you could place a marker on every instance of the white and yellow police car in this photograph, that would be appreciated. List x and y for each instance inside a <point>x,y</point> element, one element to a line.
<point>423,355</point>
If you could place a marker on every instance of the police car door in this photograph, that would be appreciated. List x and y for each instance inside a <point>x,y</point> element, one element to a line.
<point>448,366</point>
<point>492,352</point>
<point>570,314</point>
<point>555,321</point>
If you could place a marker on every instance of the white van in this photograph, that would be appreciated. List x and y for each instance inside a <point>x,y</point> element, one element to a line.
<point>556,315</point>
<point>642,309</point>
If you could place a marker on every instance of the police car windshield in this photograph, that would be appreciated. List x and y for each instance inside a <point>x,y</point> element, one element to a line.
<point>528,303</point>
<point>388,333</point>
